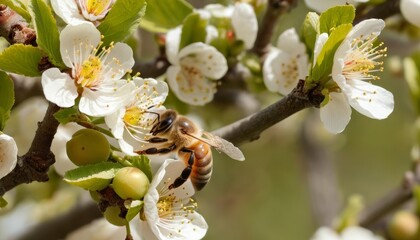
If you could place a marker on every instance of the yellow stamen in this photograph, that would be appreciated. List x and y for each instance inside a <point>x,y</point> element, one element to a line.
<point>97,7</point>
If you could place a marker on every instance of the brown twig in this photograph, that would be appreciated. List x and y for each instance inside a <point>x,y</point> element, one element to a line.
<point>391,201</point>
<point>34,165</point>
<point>381,11</point>
<point>250,128</point>
<point>59,227</point>
<point>14,28</point>
<point>275,8</point>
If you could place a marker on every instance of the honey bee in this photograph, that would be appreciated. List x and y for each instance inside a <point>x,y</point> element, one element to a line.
<point>175,133</point>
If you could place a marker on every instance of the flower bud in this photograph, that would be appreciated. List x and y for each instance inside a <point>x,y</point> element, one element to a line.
<point>403,226</point>
<point>87,146</point>
<point>130,183</point>
<point>112,215</point>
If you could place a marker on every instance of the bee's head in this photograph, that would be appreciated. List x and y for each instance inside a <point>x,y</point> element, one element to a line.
<point>165,122</point>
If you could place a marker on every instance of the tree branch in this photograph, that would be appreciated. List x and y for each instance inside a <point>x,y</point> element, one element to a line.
<point>381,11</point>
<point>14,27</point>
<point>34,165</point>
<point>391,201</point>
<point>275,8</point>
<point>250,128</point>
<point>59,227</point>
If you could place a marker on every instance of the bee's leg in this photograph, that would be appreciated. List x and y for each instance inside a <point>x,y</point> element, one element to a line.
<point>157,140</point>
<point>154,150</point>
<point>186,172</point>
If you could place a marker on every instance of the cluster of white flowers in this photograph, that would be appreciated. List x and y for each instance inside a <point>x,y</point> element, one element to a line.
<point>196,68</point>
<point>95,82</point>
<point>355,62</point>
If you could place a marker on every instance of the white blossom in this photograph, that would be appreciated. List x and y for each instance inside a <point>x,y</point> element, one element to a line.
<point>350,233</point>
<point>355,62</point>
<point>78,11</point>
<point>95,72</point>
<point>131,123</point>
<point>321,6</point>
<point>8,154</point>
<point>410,10</point>
<point>170,214</point>
<point>286,63</point>
<point>242,18</point>
<point>195,69</point>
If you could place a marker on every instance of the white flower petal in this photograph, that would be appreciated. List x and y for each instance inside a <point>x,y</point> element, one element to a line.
<point>58,147</point>
<point>366,29</point>
<point>336,114</point>
<point>8,154</point>
<point>319,44</point>
<point>105,101</point>
<point>219,11</point>
<point>245,23</point>
<point>200,92</point>
<point>77,42</point>
<point>116,123</point>
<point>180,226</point>
<point>173,39</point>
<point>212,33</point>
<point>321,6</point>
<point>154,92</point>
<point>355,232</point>
<point>325,233</point>
<point>206,58</point>
<point>272,71</point>
<point>289,42</point>
<point>68,11</point>
<point>118,61</point>
<point>410,10</point>
<point>59,88</point>
<point>368,99</point>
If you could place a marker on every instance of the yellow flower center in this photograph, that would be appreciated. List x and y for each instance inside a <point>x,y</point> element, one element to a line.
<point>97,7</point>
<point>89,74</point>
<point>362,60</point>
<point>132,116</point>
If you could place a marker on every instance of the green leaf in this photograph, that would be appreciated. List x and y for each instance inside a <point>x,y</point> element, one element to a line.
<point>66,115</point>
<point>7,98</point>
<point>3,202</point>
<point>310,30</point>
<point>7,93</point>
<point>48,38</point>
<point>141,162</point>
<point>133,209</point>
<point>92,177</point>
<point>4,115</point>
<point>335,17</point>
<point>325,60</point>
<point>193,30</point>
<point>123,18</point>
<point>18,7</point>
<point>21,59</point>
<point>162,15</point>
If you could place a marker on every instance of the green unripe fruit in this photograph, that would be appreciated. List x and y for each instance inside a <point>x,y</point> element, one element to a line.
<point>112,213</point>
<point>130,183</point>
<point>404,226</point>
<point>87,146</point>
<point>95,196</point>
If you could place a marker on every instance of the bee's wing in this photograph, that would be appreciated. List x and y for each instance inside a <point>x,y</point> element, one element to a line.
<point>224,146</point>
